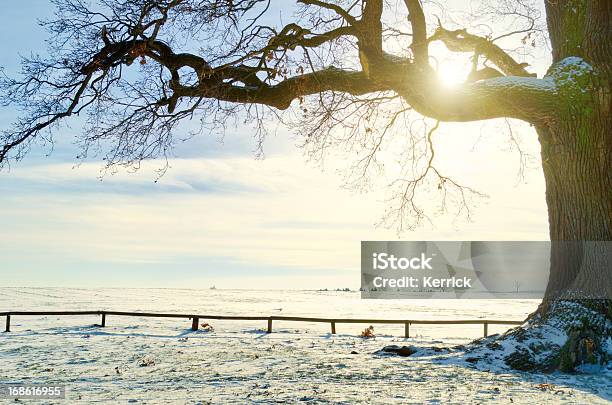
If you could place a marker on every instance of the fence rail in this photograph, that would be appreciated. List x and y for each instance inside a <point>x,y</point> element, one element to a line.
<point>195,318</point>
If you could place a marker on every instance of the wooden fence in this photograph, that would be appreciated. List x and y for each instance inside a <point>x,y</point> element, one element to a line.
<point>195,319</point>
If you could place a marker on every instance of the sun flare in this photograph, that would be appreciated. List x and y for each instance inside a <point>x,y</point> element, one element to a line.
<point>452,74</point>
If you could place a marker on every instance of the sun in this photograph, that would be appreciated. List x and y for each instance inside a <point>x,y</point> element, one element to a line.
<point>452,73</point>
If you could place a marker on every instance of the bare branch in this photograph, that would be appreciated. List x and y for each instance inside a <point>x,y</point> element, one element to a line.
<point>462,41</point>
<point>419,31</point>
<point>136,69</point>
<point>334,7</point>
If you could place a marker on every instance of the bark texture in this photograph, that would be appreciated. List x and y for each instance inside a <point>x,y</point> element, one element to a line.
<point>576,149</point>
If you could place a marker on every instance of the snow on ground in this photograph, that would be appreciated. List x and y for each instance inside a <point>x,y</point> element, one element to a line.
<point>148,360</point>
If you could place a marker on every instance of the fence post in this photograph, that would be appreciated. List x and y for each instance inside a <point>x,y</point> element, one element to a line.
<point>486,329</point>
<point>333,327</point>
<point>407,330</point>
<point>194,323</point>
<point>8,323</point>
<point>103,321</point>
<point>269,325</point>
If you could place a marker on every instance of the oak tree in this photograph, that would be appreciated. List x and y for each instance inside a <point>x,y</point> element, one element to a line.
<point>136,68</point>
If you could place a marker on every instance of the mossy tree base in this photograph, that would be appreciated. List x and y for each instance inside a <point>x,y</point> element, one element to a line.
<point>570,336</point>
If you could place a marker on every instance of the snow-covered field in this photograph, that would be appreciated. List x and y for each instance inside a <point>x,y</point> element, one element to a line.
<point>150,360</point>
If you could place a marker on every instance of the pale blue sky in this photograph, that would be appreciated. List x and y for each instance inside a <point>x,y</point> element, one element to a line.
<point>219,216</point>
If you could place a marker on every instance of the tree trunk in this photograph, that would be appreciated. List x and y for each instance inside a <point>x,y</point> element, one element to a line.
<point>577,158</point>
<point>579,198</point>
